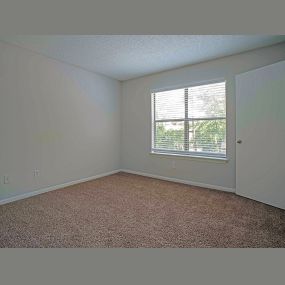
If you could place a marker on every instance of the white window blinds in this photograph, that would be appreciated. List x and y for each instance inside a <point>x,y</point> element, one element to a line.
<point>190,120</point>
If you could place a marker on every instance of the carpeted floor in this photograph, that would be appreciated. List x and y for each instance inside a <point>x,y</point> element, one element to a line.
<point>125,210</point>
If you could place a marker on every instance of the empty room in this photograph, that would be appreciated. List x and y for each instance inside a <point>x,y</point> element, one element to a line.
<point>142,141</point>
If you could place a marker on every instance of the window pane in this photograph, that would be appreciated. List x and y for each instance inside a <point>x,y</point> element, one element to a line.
<point>169,104</point>
<point>191,120</point>
<point>207,136</point>
<point>206,101</point>
<point>169,135</point>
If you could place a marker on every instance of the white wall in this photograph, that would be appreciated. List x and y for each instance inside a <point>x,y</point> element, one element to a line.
<point>136,118</point>
<point>56,118</point>
<point>70,123</point>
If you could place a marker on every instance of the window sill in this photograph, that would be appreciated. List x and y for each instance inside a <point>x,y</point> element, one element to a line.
<point>194,157</point>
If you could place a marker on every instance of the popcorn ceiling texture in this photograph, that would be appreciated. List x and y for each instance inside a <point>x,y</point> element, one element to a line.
<point>126,210</point>
<point>125,57</point>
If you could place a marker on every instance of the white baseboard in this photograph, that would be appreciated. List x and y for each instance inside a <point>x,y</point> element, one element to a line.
<point>59,186</point>
<point>55,187</point>
<point>204,185</point>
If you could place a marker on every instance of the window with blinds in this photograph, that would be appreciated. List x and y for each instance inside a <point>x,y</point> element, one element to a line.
<point>190,120</point>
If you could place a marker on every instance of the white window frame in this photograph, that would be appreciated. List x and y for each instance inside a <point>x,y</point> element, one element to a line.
<point>193,154</point>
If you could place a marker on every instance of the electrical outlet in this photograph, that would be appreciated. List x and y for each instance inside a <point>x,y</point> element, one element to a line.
<point>36,173</point>
<point>6,179</point>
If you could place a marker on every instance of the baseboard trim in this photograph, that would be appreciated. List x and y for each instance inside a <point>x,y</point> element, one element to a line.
<point>55,187</point>
<point>188,182</point>
<point>63,185</point>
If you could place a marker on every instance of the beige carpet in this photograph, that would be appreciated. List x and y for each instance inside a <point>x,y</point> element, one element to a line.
<point>125,210</point>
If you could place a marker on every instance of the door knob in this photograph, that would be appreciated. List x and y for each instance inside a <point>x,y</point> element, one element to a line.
<point>239,141</point>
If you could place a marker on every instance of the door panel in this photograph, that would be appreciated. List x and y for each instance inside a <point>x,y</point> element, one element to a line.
<point>260,134</point>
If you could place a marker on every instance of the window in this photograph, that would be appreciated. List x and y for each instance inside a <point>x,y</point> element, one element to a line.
<point>190,121</point>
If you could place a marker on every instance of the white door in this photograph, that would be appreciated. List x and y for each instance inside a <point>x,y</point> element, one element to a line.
<point>260,134</point>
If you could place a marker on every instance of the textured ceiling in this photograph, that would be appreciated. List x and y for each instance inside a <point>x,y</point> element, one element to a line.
<point>128,56</point>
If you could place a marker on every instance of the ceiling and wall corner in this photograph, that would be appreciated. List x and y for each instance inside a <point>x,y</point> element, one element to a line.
<point>125,57</point>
